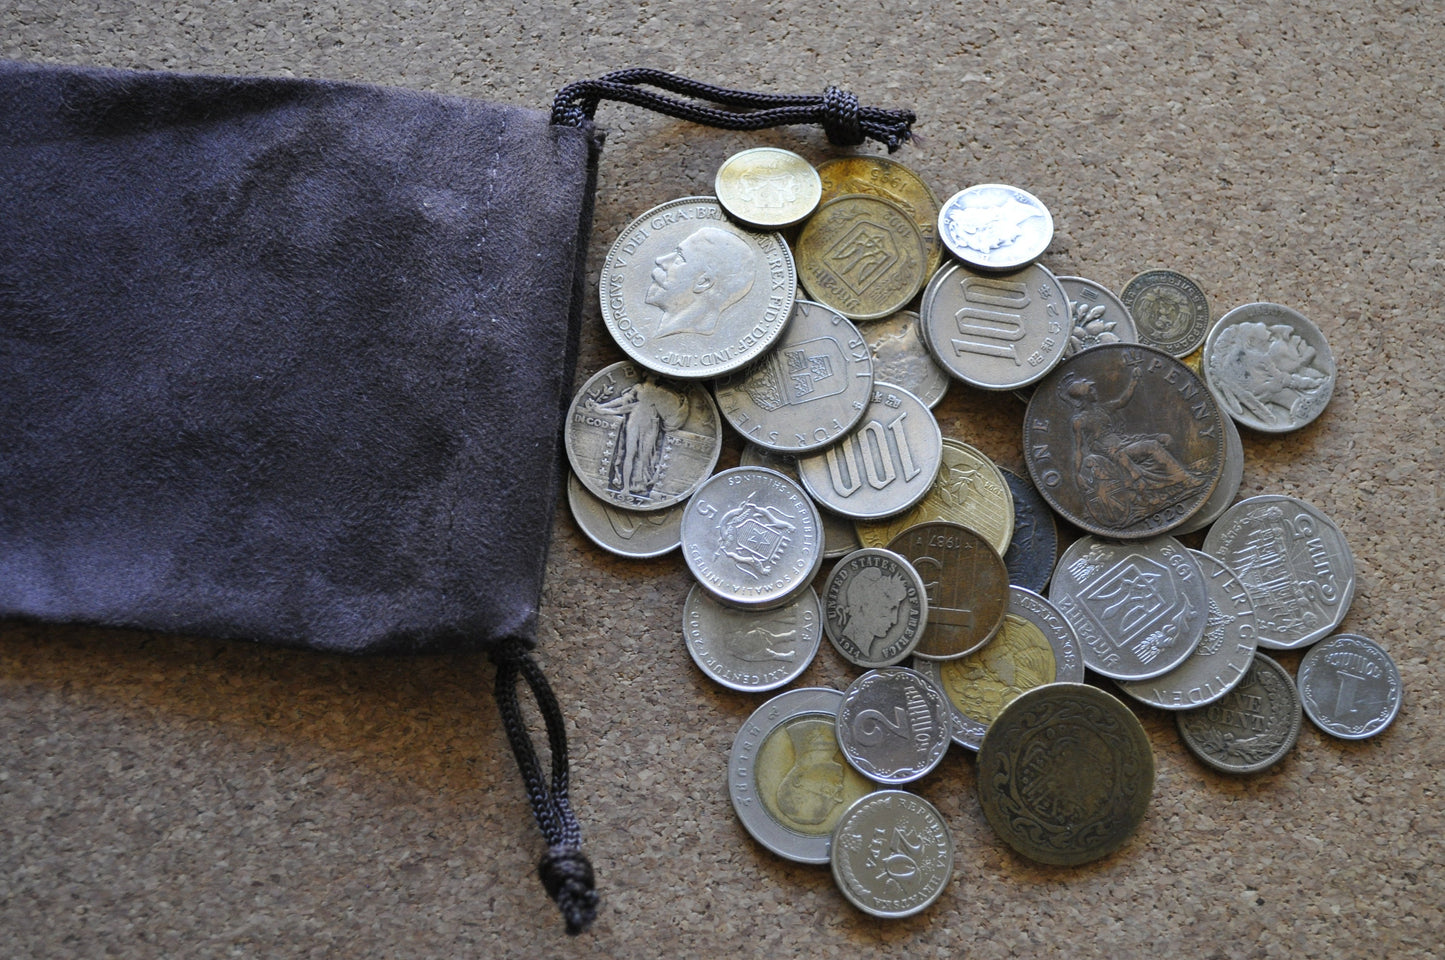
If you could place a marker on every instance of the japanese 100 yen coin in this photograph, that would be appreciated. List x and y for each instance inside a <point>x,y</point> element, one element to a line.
<point>810,389</point>
<point>1065,774</point>
<point>900,356</point>
<point>1295,563</point>
<point>768,188</point>
<point>689,294</point>
<point>752,650</point>
<point>993,226</point>
<point>894,182</point>
<point>1099,316</point>
<point>839,537</point>
<point>1034,548</point>
<point>1034,646</point>
<point>967,585</point>
<point>1349,686</point>
<point>862,256</point>
<point>1124,441</point>
<point>892,854</point>
<point>893,725</point>
<point>787,777</point>
<point>1270,367</point>
<point>633,534</point>
<point>752,538</point>
<point>1170,311</point>
<point>1250,728</point>
<point>639,441</point>
<point>875,608</point>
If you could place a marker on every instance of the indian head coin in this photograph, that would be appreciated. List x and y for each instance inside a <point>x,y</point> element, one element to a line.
<point>689,294</point>
<point>1249,729</point>
<point>1349,686</point>
<point>1270,367</point>
<point>1034,548</point>
<point>993,226</point>
<point>752,650</point>
<point>767,188</point>
<point>1170,310</point>
<point>862,256</point>
<point>892,854</point>
<point>633,534</point>
<point>895,183</point>
<point>839,537</point>
<point>893,725</point>
<point>1099,315</point>
<point>900,356</point>
<point>875,608</point>
<point>966,583</point>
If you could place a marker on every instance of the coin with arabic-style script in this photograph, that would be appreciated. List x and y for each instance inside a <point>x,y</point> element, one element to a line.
<point>892,854</point>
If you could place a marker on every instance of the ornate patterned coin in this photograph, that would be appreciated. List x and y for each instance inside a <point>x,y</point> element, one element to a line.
<point>893,725</point>
<point>768,188</point>
<point>1034,548</point>
<point>1099,316</point>
<point>627,533</point>
<point>970,490</point>
<point>751,537</point>
<point>1295,563</point>
<point>1349,686</point>
<point>894,182</point>
<point>752,650</point>
<point>839,537</point>
<point>992,226</point>
<point>639,441</point>
<point>789,782</point>
<point>806,392</point>
<point>1170,311</point>
<point>967,586</point>
<point>892,854</point>
<point>689,294</point>
<point>1124,441</point>
<point>900,356</point>
<point>862,256</point>
<point>1065,774</point>
<point>874,608</point>
<point>1270,366</point>
<point>1252,727</point>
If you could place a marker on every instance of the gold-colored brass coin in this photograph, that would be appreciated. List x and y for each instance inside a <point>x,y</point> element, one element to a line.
<point>970,490</point>
<point>981,684</point>
<point>861,255</point>
<point>966,582</point>
<point>768,188</point>
<point>891,180</point>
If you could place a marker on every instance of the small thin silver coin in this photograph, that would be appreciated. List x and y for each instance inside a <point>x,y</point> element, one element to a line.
<point>627,533</point>
<point>752,650</point>
<point>893,725</point>
<point>1252,727</point>
<point>993,226</point>
<point>1349,686</point>
<point>892,854</point>
<point>1270,367</point>
<point>875,607</point>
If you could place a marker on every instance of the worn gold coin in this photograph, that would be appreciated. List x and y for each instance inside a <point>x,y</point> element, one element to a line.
<point>861,255</point>
<point>970,490</point>
<point>891,180</point>
<point>768,188</point>
<point>966,582</point>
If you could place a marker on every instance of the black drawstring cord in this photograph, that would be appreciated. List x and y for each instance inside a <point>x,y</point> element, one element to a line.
<point>846,123</point>
<point>565,871</point>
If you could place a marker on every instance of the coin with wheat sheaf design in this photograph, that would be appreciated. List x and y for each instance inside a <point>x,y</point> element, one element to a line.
<point>894,182</point>
<point>970,489</point>
<point>1252,727</point>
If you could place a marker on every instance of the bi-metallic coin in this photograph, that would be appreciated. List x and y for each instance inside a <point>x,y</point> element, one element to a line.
<point>893,725</point>
<point>892,854</point>
<point>1349,686</point>
<point>1250,728</point>
<point>768,188</point>
<point>752,650</point>
<point>1270,366</point>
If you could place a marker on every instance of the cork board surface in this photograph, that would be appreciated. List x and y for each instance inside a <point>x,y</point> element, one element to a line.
<point>165,797</point>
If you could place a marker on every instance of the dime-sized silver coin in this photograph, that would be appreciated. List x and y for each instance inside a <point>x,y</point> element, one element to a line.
<point>892,854</point>
<point>1218,664</point>
<point>1170,311</point>
<point>839,535</point>
<point>993,226</point>
<point>1099,315</point>
<point>1226,489</point>
<point>1295,562</point>
<point>787,777</point>
<point>900,356</point>
<point>884,465</point>
<point>875,607</point>
<point>1270,367</point>
<point>1139,608</point>
<point>752,650</point>
<point>690,294</point>
<point>1034,549</point>
<point>768,188</point>
<point>627,533</point>
<point>806,392</point>
<point>1252,727</point>
<point>639,441</point>
<point>893,725</point>
<point>1349,686</point>
<point>995,331</point>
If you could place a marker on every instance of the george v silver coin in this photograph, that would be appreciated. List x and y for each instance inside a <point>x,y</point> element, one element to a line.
<point>839,535</point>
<point>993,226</point>
<point>1098,315</point>
<point>752,650</point>
<point>1249,729</point>
<point>892,854</point>
<point>1170,310</point>
<point>893,725</point>
<point>1349,686</point>
<point>900,356</point>
<point>875,607</point>
<point>1270,366</point>
<point>634,534</point>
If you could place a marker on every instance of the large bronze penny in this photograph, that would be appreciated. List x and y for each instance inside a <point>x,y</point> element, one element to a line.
<point>967,585</point>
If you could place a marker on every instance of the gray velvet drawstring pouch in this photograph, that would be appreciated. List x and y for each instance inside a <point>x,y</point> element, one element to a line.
<point>287,361</point>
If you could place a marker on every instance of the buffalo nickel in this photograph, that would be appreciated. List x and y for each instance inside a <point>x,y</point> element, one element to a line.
<point>966,582</point>
<point>862,256</point>
<point>1349,686</point>
<point>892,854</point>
<point>768,188</point>
<point>993,226</point>
<point>1270,367</point>
<point>875,608</point>
<point>752,650</point>
<point>1170,311</point>
<point>893,725</point>
<point>1252,727</point>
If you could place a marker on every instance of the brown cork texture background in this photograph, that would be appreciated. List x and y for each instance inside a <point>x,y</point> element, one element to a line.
<point>180,797</point>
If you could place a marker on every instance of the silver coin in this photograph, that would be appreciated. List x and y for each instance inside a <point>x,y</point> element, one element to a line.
<point>1295,562</point>
<point>893,725</point>
<point>1270,367</point>
<point>752,650</point>
<point>633,534</point>
<point>768,188</point>
<point>1349,686</point>
<point>839,535</point>
<point>751,537</point>
<point>787,778</point>
<point>1170,311</point>
<point>639,441</point>
<point>884,465</point>
<point>1252,727</point>
<point>1099,316</point>
<point>875,607</point>
<point>900,356</point>
<point>995,331</point>
<point>806,392</point>
<point>1139,608</point>
<point>688,293</point>
<point>993,226</point>
<point>1225,652</point>
<point>892,854</point>
<point>1226,489</point>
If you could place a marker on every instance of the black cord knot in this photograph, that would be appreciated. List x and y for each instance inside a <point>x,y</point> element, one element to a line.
<point>842,120</point>
<point>567,877</point>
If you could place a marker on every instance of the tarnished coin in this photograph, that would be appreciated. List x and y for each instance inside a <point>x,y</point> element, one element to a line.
<point>892,854</point>
<point>1250,728</point>
<point>900,356</point>
<point>1124,441</point>
<point>1099,316</point>
<point>627,533</point>
<point>688,293</point>
<point>970,490</point>
<point>893,725</point>
<point>1034,547</point>
<point>1170,311</point>
<point>839,537</point>
<point>993,226</point>
<point>1139,608</point>
<point>640,441</point>
<point>1226,489</point>
<point>995,331</point>
<point>1270,367</point>
<point>1065,774</point>
<point>884,465</point>
<point>892,181</point>
<point>1034,646</point>
<point>1349,686</point>
<point>1295,563</point>
<point>1224,653</point>
<point>752,650</point>
<point>751,537</point>
<point>862,256</point>
<point>966,582</point>
<point>875,608</point>
<point>768,188</point>
<point>787,778</point>
<point>806,392</point>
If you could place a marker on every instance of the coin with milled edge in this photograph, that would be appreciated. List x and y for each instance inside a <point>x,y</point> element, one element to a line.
<point>893,725</point>
<point>787,778</point>
<point>690,294</point>
<point>1250,728</point>
<point>874,608</point>
<point>768,188</point>
<point>900,356</point>
<point>633,534</point>
<point>967,585</point>
<point>1226,489</point>
<point>993,226</point>
<point>1099,316</point>
<point>1065,774</point>
<point>892,854</point>
<point>752,650</point>
<point>839,537</point>
<point>892,181</point>
<point>1270,366</point>
<point>1034,548</point>
<point>1170,311</point>
<point>1349,686</point>
<point>862,256</point>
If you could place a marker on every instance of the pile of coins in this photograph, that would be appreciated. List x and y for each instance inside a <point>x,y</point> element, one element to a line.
<point>941,558</point>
